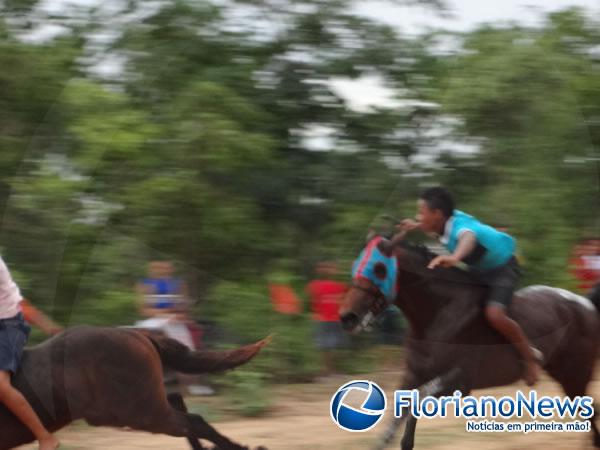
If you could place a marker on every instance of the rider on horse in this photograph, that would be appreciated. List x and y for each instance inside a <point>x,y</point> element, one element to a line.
<point>13,335</point>
<point>488,253</point>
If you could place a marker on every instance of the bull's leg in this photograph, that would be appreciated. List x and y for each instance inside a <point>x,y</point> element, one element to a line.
<point>176,401</point>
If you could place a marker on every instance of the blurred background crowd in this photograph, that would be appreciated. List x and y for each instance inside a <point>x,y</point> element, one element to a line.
<point>222,161</point>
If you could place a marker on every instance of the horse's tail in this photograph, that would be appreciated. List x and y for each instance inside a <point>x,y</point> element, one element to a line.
<point>594,296</point>
<point>178,357</point>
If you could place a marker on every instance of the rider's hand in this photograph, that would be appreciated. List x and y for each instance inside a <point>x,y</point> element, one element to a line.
<point>443,261</point>
<point>408,225</point>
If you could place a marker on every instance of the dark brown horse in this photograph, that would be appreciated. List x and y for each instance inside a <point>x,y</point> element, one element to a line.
<point>451,347</point>
<point>114,377</point>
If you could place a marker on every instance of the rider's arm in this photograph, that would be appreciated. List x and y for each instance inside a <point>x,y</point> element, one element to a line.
<point>39,319</point>
<point>466,244</point>
<point>405,227</point>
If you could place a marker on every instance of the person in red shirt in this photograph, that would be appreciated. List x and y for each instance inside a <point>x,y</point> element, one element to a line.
<point>325,294</point>
<point>585,264</point>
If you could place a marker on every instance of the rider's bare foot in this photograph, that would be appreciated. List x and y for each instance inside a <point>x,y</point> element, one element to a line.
<point>49,443</point>
<point>532,373</point>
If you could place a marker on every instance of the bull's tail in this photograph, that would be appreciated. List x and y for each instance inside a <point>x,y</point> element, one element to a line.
<point>178,357</point>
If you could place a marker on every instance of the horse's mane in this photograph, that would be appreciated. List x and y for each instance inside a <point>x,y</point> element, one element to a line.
<point>419,249</point>
<point>415,258</point>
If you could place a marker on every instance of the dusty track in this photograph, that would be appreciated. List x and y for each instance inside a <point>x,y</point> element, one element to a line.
<point>300,420</point>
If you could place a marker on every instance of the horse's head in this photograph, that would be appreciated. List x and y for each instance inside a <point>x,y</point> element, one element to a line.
<point>374,277</point>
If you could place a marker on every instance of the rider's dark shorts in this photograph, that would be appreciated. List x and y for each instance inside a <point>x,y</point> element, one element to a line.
<point>502,282</point>
<point>13,336</point>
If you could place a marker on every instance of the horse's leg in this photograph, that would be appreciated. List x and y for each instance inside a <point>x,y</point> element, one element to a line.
<point>575,386</point>
<point>176,401</point>
<point>180,424</point>
<point>408,439</point>
<point>441,385</point>
<point>202,430</point>
<point>447,382</point>
<point>595,428</point>
<point>410,382</point>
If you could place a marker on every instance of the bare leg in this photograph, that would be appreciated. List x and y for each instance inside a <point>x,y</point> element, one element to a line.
<point>511,330</point>
<point>19,406</point>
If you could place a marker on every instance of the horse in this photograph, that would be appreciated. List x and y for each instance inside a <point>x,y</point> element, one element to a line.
<point>450,346</point>
<point>114,377</point>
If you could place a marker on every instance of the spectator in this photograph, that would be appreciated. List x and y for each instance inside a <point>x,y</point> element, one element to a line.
<point>585,264</point>
<point>325,295</point>
<point>284,299</point>
<point>163,301</point>
<point>161,293</point>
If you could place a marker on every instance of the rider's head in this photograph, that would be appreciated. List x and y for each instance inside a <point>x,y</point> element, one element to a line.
<point>435,206</point>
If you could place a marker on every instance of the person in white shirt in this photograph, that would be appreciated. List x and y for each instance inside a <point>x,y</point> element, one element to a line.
<point>13,336</point>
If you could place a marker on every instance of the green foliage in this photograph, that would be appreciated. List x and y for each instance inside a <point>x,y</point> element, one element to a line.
<point>245,310</point>
<point>247,392</point>
<point>198,152</point>
<point>521,91</point>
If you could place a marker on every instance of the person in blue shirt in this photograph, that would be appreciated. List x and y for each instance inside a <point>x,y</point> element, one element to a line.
<point>487,252</point>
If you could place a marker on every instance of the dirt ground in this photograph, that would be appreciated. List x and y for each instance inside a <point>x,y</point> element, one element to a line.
<point>300,420</point>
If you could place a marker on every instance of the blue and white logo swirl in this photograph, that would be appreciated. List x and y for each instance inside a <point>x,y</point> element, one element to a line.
<point>366,417</point>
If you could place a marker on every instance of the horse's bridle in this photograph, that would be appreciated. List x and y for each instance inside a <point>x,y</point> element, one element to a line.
<point>379,304</point>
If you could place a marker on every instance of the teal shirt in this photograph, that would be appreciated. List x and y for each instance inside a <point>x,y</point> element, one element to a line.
<point>499,247</point>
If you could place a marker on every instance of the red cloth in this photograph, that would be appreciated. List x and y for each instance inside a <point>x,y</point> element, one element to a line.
<point>587,277</point>
<point>325,298</point>
<point>284,299</point>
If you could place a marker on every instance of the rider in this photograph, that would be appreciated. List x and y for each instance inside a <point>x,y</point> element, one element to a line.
<point>13,335</point>
<point>488,253</point>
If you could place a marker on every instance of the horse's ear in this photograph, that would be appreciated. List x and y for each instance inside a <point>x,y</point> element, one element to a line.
<point>386,247</point>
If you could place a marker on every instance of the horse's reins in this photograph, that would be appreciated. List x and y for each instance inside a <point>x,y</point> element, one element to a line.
<point>379,301</point>
<point>379,304</point>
